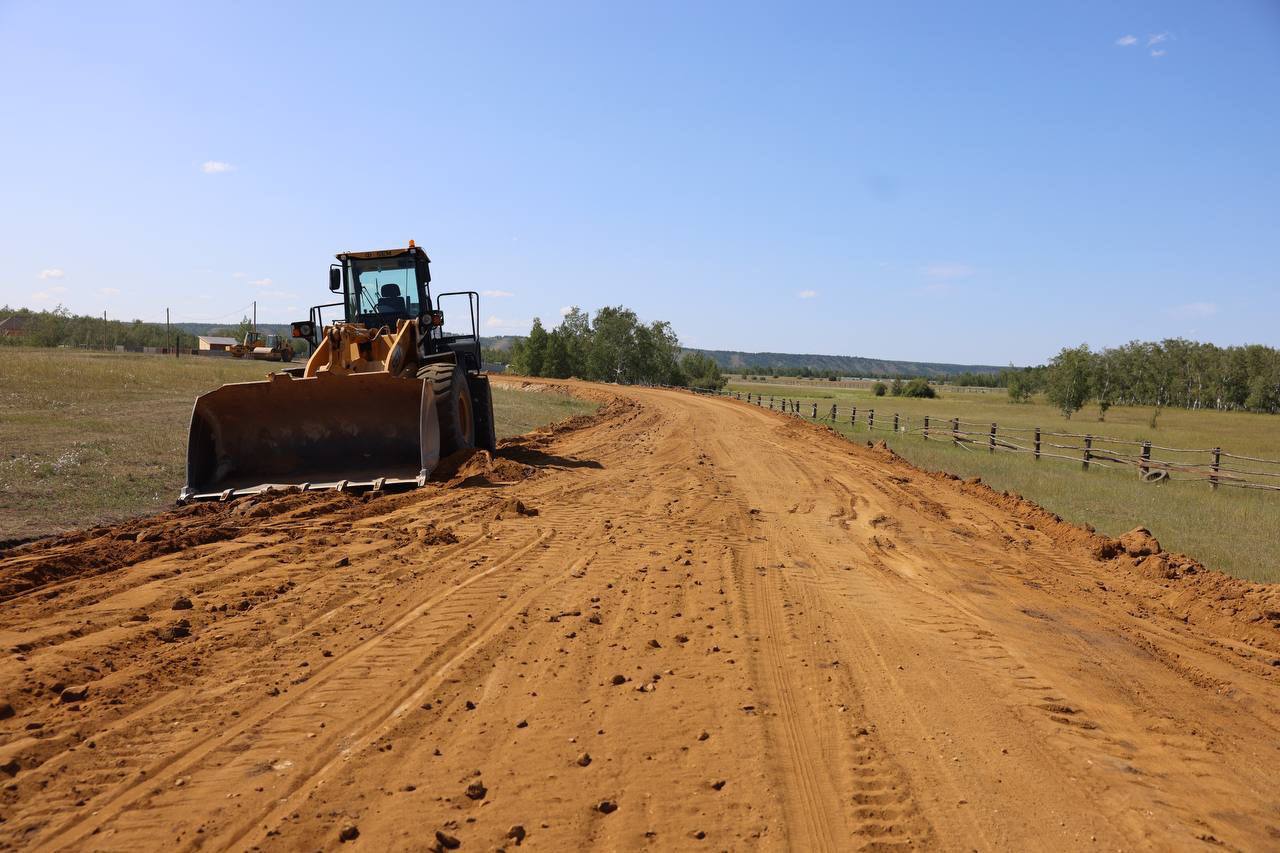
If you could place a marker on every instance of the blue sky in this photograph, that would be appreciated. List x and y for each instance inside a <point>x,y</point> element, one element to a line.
<point>953,182</point>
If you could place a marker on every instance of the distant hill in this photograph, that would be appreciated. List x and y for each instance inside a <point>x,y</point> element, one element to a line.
<point>213,328</point>
<point>848,365</point>
<point>734,361</point>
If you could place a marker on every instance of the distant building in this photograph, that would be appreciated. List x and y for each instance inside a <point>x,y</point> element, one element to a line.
<point>216,344</point>
<point>13,327</point>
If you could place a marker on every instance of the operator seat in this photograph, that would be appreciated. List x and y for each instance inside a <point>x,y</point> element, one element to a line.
<point>390,301</point>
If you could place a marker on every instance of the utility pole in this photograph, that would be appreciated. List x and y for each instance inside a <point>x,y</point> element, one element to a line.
<point>166,324</point>
<point>255,319</point>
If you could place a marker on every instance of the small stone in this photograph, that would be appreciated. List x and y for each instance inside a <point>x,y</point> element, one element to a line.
<point>681,638</point>
<point>718,784</point>
<point>6,710</point>
<point>594,618</point>
<point>10,767</point>
<point>516,833</point>
<point>654,644</point>
<point>75,694</point>
<point>619,679</point>
<point>448,842</point>
<point>699,835</point>
<point>704,735</point>
<point>181,603</point>
<point>606,807</point>
<point>471,706</point>
<point>476,791</point>
<point>350,832</point>
<point>584,759</point>
<point>523,724</point>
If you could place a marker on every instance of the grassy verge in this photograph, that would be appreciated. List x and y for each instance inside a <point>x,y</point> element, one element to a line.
<point>1235,531</point>
<point>516,412</point>
<point>91,437</point>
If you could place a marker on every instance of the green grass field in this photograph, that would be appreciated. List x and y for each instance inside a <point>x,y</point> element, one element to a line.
<point>91,437</point>
<point>1233,530</point>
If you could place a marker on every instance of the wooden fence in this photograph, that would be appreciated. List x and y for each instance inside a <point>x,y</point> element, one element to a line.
<point>1152,462</point>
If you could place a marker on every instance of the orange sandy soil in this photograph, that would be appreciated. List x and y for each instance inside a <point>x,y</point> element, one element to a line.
<point>683,623</point>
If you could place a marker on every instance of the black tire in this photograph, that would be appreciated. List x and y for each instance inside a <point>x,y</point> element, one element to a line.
<point>454,410</point>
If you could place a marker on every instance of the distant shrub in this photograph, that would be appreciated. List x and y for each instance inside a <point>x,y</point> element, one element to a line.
<point>879,389</point>
<point>919,387</point>
<point>896,388</point>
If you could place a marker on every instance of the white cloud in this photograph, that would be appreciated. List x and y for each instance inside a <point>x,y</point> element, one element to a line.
<point>1158,38</point>
<point>509,325</point>
<point>1126,41</point>
<point>807,294</point>
<point>1158,53</point>
<point>216,167</point>
<point>261,282</point>
<point>278,294</point>
<point>1194,309</point>
<point>948,271</point>
<point>48,294</point>
<point>45,275</point>
<point>109,291</point>
<point>564,311</point>
<point>496,294</point>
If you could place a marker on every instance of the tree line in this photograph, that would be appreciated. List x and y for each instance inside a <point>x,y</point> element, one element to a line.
<point>614,346</point>
<point>1171,373</point>
<point>61,328</point>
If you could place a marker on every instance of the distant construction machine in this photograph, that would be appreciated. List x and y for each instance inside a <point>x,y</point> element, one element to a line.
<point>385,394</point>
<point>271,348</point>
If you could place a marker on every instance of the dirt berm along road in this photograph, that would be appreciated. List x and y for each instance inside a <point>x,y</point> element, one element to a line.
<point>685,623</point>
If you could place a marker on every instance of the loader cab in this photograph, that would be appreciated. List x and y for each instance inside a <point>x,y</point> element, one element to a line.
<point>379,288</point>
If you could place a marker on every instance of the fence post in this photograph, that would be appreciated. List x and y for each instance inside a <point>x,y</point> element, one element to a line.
<point>1037,450</point>
<point>1217,458</point>
<point>991,440</point>
<point>853,416</point>
<point>895,423</point>
<point>833,412</point>
<point>1088,446</point>
<point>815,411</point>
<point>955,430</point>
<point>871,419</point>
<point>926,427</point>
<point>1144,466</point>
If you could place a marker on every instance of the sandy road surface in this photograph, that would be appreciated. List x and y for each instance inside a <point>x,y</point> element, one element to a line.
<point>817,648</point>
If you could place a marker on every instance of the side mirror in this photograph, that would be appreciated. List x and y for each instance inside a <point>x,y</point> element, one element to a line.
<point>335,278</point>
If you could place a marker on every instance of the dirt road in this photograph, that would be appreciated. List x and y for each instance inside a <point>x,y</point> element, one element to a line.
<point>691,623</point>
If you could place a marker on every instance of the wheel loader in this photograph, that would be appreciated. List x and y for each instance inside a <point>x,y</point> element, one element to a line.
<point>272,348</point>
<point>385,394</point>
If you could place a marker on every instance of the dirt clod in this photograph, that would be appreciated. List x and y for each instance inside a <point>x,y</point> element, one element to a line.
<point>75,694</point>
<point>349,832</point>
<point>476,791</point>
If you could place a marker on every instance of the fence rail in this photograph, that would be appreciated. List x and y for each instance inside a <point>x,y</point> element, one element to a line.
<point>1087,450</point>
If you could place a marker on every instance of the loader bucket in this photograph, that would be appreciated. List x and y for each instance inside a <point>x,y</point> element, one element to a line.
<point>357,431</point>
